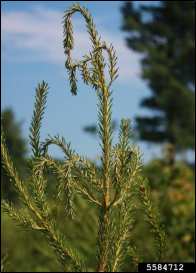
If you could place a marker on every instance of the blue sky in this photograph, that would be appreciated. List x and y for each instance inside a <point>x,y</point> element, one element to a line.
<point>32,51</point>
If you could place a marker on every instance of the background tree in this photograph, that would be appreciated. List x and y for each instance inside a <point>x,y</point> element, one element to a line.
<point>18,150</point>
<point>165,35</point>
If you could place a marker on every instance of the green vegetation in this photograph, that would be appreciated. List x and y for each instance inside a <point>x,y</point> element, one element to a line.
<point>174,192</point>
<point>18,150</point>
<point>165,35</point>
<point>111,189</point>
<point>4,257</point>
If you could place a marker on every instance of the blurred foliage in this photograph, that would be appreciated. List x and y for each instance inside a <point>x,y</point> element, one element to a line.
<point>164,33</point>
<point>173,190</point>
<point>18,150</point>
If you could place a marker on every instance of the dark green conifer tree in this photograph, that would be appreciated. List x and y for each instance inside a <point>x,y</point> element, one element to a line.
<point>165,35</point>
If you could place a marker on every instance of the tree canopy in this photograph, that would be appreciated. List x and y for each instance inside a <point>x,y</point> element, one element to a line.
<point>165,36</point>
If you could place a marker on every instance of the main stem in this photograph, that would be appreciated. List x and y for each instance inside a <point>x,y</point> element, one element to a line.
<point>106,146</point>
<point>106,196</point>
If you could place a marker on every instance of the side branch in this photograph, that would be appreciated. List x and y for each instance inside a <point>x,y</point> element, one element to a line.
<point>75,159</point>
<point>152,217</point>
<point>62,174</point>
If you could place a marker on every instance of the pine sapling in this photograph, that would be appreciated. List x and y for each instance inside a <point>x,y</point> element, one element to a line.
<point>120,167</point>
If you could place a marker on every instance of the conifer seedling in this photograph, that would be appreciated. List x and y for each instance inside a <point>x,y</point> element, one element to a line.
<point>120,167</point>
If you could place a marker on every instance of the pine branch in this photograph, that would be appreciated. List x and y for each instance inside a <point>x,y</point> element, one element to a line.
<point>133,168</point>
<point>21,217</point>
<point>40,102</point>
<point>64,185</point>
<point>135,256</point>
<point>4,262</point>
<point>38,184</point>
<point>66,256</point>
<point>153,218</point>
<point>12,172</point>
<point>122,156</point>
<point>126,219</point>
<point>57,241</point>
<point>103,239</point>
<point>80,165</point>
<point>126,164</point>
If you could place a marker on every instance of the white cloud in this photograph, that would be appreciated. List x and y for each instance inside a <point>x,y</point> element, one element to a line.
<point>38,35</point>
